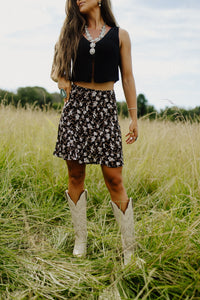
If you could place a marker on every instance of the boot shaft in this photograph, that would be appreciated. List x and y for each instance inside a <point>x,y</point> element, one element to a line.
<point>79,220</point>
<point>126,225</point>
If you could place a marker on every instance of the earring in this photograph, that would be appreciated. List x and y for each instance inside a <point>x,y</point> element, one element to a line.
<point>99,3</point>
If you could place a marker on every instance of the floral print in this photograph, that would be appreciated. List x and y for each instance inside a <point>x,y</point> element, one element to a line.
<point>89,130</point>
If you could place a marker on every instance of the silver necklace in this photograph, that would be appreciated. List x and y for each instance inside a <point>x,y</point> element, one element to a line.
<point>94,41</point>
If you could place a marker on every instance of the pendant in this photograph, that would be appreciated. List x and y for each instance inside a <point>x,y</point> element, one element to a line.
<point>92,45</point>
<point>92,51</point>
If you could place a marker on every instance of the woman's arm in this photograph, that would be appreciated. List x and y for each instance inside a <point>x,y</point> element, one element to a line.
<point>128,84</point>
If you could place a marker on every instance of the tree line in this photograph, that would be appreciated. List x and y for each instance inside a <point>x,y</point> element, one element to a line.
<point>39,97</point>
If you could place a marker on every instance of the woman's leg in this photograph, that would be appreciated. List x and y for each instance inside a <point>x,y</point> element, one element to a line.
<point>77,199</point>
<point>122,209</point>
<point>76,173</point>
<point>114,183</point>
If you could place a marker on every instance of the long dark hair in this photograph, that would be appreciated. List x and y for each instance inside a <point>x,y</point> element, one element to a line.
<point>72,29</point>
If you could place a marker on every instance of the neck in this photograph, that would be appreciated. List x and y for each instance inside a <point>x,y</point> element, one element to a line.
<point>95,20</point>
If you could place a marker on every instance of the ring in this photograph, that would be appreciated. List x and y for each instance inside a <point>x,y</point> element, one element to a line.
<point>131,138</point>
<point>63,93</point>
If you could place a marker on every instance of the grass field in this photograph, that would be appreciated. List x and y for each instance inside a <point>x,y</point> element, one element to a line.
<point>161,174</point>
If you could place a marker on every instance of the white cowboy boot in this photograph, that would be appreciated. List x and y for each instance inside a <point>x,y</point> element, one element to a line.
<point>78,213</point>
<point>126,225</point>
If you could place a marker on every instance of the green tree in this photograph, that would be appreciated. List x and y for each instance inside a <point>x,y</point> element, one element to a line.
<point>141,105</point>
<point>56,98</point>
<point>122,109</point>
<point>8,97</point>
<point>34,95</point>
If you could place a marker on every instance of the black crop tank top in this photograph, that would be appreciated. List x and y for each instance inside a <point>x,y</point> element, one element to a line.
<point>106,59</point>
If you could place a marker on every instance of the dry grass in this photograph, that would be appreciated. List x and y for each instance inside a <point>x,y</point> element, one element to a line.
<point>161,173</point>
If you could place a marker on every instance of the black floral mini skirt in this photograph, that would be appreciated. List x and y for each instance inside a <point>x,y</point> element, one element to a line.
<point>89,131</point>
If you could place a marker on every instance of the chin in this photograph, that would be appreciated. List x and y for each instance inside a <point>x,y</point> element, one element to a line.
<point>83,10</point>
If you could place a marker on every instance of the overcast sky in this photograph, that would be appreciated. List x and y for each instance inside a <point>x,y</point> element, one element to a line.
<point>165,39</point>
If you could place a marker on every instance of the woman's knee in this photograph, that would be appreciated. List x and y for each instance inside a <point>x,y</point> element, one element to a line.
<point>76,178</point>
<point>113,178</point>
<point>114,183</point>
<point>76,173</point>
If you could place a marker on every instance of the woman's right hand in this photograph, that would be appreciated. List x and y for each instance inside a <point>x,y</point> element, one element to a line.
<point>66,85</point>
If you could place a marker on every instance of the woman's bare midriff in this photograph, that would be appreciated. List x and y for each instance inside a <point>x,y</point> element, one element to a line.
<point>105,86</point>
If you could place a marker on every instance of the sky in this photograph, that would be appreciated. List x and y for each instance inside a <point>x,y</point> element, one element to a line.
<point>165,38</point>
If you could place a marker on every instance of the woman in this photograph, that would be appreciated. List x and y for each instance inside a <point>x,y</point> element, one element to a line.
<point>90,50</point>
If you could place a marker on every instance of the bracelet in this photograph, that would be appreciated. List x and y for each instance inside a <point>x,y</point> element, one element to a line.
<point>132,108</point>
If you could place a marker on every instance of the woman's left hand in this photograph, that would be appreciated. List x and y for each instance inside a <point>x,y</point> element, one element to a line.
<point>133,133</point>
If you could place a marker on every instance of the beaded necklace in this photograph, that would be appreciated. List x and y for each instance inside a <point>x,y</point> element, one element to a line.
<point>94,41</point>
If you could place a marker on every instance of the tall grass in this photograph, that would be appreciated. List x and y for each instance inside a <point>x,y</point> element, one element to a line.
<point>161,174</point>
